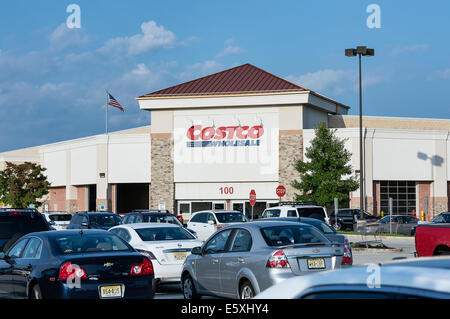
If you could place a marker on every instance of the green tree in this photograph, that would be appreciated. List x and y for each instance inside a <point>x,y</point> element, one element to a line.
<point>23,184</point>
<point>322,175</point>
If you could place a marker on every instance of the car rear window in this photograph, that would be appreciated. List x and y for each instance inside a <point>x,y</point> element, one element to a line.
<point>231,217</point>
<point>60,217</point>
<point>292,235</point>
<point>311,212</point>
<point>21,223</point>
<point>167,219</point>
<point>89,243</point>
<point>321,226</point>
<point>105,220</point>
<point>271,213</point>
<point>163,233</point>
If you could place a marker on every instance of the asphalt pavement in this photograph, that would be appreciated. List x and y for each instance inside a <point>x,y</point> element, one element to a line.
<point>360,258</point>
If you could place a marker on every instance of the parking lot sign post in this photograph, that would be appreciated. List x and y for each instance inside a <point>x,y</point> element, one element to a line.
<point>390,215</point>
<point>252,199</point>
<point>336,206</point>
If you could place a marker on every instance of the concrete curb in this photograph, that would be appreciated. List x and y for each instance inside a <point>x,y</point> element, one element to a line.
<point>377,250</point>
<point>359,237</point>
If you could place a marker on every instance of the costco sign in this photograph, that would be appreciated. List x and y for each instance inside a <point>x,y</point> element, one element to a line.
<point>224,136</point>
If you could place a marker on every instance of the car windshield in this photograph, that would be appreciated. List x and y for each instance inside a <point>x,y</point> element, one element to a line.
<point>292,235</point>
<point>20,223</point>
<point>443,218</point>
<point>271,213</point>
<point>163,233</point>
<point>60,217</point>
<point>89,243</point>
<point>168,219</point>
<point>231,217</point>
<point>322,227</point>
<point>105,220</point>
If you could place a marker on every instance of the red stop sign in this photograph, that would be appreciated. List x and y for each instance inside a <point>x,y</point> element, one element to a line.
<point>281,191</point>
<point>252,197</point>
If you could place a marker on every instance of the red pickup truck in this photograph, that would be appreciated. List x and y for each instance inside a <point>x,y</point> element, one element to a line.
<point>432,240</point>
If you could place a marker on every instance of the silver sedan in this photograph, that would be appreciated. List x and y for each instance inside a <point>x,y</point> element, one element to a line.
<point>241,260</point>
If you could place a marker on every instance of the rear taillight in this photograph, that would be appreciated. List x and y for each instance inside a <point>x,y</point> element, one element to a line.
<point>147,253</point>
<point>71,271</point>
<point>145,268</point>
<point>278,260</point>
<point>220,226</point>
<point>347,259</point>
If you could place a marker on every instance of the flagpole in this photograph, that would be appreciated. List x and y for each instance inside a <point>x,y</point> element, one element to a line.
<point>107,157</point>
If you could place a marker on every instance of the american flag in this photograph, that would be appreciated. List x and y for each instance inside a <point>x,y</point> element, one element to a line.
<point>113,102</point>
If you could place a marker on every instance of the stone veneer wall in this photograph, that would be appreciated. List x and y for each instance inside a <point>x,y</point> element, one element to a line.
<point>290,150</point>
<point>162,169</point>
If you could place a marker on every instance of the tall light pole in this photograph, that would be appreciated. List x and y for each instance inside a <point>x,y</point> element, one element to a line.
<point>360,51</point>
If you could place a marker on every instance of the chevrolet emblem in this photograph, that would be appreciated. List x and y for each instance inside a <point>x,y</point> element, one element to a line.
<point>108,264</point>
<point>315,250</point>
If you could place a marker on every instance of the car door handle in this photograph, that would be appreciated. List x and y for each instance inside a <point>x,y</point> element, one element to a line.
<point>215,261</point>
<point>241,260</point>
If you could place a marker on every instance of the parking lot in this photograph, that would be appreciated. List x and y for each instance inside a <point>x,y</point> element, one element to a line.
<point>173,291</point>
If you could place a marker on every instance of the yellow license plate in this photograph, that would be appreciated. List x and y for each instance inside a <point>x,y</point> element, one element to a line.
<point>111,291</point>
<point>316,263</point>
<point>180,256</point>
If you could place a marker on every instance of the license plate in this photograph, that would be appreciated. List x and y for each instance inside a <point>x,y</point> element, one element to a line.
<point>110,291</point>
<point>180,256</point>
<point>316,263</point>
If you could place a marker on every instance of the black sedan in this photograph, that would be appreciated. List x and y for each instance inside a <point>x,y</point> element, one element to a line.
<point>85,264</point>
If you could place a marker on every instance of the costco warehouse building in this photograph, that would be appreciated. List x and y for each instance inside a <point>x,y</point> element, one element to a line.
<point>215,138</point>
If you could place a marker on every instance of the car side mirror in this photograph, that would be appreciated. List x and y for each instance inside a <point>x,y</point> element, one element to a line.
<point>211,222</point>
<point>52,223</point>
<point>2,255</point>
<point>196,251</point>
<point>84,224</point>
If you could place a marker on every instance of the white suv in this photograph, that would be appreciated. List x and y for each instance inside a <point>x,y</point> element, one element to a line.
<point>207,222</point>
<point>308,209</point>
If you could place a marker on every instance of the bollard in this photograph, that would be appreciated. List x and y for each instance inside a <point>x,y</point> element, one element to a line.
<point>382,214</point>
<point>422,217</point>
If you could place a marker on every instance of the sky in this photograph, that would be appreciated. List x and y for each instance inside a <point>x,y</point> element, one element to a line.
<point>53,78</point>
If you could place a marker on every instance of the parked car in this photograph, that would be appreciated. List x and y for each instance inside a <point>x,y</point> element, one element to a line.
<point>94,220</point>
<point>166,245</point>
<point>86,264</point>
<point>442,218</point>
<point>207,222</point>
<point>154,216</point>
<point>400,282</point>
<point>347,217</point>
<point>308,209</point>
<point>58,220</point>
<point>15,223</point>
<point>401,224</point>
<point>241,260</point>
<point>432,240</point>
<point>329,232</point>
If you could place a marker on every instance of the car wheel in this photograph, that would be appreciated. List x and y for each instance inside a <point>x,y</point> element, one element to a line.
<point>36,292</point>
<point>246,291</point>
<point>188,288</point>
<point>337,226</point>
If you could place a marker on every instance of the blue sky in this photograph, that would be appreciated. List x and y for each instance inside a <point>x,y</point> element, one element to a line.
<point>53,79</point>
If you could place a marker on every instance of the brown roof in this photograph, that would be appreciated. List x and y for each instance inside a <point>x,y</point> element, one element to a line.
<point>245,78</point>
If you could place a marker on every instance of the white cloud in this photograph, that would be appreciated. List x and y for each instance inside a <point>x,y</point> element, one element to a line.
<point>334,81</point>
<point>63,37</point>
<point>440,75</point>
<point>200,69</point>
<point>230,50</point>
<point>399,50</point>
<point>152,37</point>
